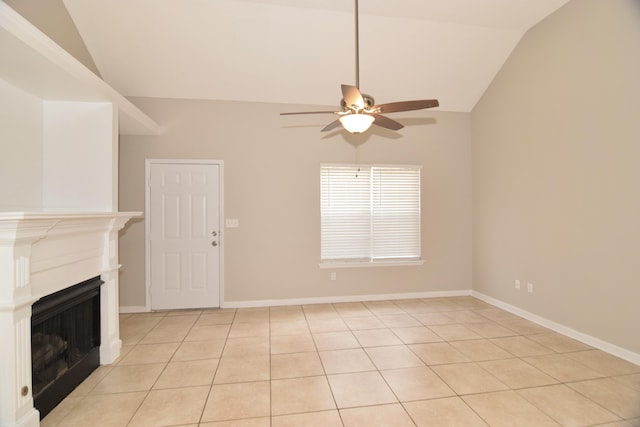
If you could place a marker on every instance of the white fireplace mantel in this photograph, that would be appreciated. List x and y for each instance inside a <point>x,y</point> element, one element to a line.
<point>42,253</point>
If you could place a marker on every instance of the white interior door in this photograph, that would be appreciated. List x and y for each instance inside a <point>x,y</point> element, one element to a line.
<point>184,239</point>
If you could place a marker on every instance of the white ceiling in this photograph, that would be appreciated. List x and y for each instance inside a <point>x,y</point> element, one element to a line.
<point>300,51</point>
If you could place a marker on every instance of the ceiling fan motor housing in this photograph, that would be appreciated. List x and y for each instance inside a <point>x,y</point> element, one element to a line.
<point>369,102</point>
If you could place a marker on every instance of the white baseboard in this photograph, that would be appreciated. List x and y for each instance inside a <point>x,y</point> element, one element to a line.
<point>133,309</point>
<point>339,299</point>
<point>30,419</point>
<point>613,349</point>
<point>318,300</point>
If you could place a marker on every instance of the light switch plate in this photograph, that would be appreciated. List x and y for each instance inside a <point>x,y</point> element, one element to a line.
<point>232,223</point>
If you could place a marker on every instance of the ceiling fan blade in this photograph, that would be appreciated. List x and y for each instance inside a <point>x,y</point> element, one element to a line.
<point>352,96</point>
<point>394,107</point>
<point>334,124</point>
<point>386,122</point>
<point>308,112</point>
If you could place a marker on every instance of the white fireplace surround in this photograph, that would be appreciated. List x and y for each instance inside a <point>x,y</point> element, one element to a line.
<point>42,253</point>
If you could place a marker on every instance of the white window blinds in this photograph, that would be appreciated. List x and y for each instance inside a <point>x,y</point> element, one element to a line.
<point>369,213</point>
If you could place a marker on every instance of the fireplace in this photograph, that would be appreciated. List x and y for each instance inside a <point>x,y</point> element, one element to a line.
<point>65,342</point>
<point>42,254</point>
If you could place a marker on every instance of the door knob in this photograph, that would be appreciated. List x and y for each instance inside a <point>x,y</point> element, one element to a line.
<point>214,243</point>
<point>214,233</point>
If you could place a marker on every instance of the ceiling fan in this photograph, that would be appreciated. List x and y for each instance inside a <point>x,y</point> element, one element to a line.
<point>359,111</point>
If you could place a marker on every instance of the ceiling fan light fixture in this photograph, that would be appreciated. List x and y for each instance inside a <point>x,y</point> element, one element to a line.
<point>357,122</point>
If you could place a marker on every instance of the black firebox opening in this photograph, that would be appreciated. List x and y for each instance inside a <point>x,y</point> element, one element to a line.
<point>65,342</point>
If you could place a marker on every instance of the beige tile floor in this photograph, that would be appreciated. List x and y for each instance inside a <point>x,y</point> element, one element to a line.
<point>421,362</point>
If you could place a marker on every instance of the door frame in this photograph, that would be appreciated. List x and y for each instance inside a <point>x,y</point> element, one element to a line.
<point>147,224</point>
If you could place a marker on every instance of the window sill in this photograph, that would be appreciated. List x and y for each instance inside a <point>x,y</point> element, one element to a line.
<point>361,264</point>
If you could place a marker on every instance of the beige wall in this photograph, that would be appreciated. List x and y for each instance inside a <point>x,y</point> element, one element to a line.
<point>556,173</point>
<point>272,187</point>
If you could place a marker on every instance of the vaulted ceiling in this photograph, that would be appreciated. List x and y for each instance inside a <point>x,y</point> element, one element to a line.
<point>300,51</point>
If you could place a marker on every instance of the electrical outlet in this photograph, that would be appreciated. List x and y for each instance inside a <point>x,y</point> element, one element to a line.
<point>333,275</point>
<point>530,287</point>
<point>517,284</point>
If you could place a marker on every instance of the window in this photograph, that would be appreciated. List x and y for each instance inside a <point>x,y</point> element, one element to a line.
<point>369,213</point>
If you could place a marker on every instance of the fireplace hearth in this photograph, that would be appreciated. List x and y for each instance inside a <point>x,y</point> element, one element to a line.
<point>65,342</point>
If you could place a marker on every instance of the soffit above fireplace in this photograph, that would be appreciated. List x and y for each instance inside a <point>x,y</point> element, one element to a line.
<point>34,63</point>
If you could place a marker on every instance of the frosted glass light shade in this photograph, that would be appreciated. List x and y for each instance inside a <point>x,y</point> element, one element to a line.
<point>356,123</point>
